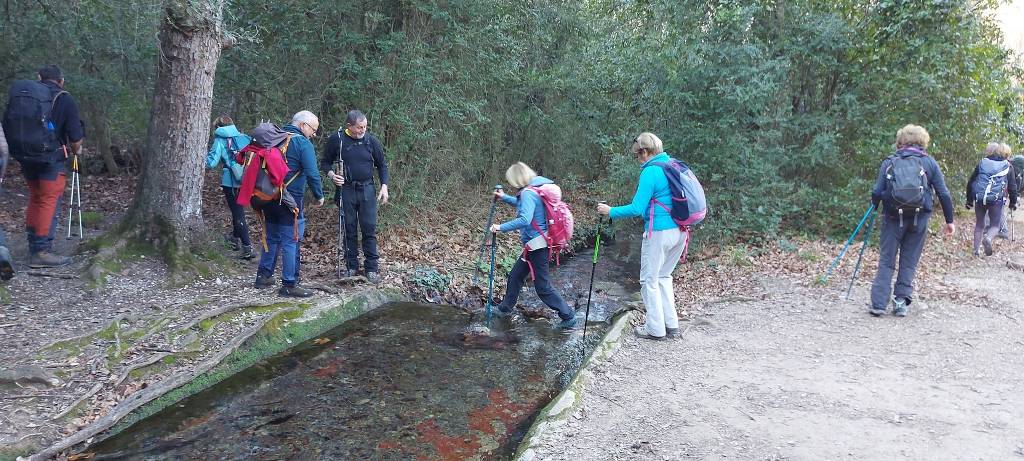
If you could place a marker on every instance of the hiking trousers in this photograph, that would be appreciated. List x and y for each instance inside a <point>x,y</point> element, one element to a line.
<point>46,183</point>
<point>280,230</point>
<point>517,277</point>
<point>906,242</point>
<point>239,228</point>
<point>360,202</point>
<point>660,252</point>
<point>993,213</point>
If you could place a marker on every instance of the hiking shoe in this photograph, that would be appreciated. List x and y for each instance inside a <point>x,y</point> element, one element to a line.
<point>232,242</point>
<point>1003,235</point>
<point>568,325</point>
<point>295,291</point>
<point>6,269</point>
<point>876,311</point>
<point>899,308</point>
<point>641,332</point>
<point>671,333</point>
<point>263,282</point>
<point>373,277</point>
<point>247,252</point>
<point>987,243</point>
<point>46,259</point>
<point>501,312</point>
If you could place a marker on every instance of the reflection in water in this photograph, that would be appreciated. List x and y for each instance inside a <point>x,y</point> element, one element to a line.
<point>406,381</point>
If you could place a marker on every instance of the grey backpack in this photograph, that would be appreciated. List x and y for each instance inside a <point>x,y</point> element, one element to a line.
<point>906,182</point>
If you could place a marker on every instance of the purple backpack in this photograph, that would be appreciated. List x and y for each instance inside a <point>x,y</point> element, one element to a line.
<point>689,206</point>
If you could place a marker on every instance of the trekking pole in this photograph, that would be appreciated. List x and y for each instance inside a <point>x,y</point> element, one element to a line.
<point>75,196</point>
<point>490,220</point>
<point>593,269</point>
<point>848,242</point>
<point>339,166</point>
<point>856,268</point>
<point>1012,237</point>
<point>490,278</point>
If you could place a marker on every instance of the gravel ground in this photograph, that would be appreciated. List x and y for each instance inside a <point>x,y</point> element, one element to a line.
<point>795,372</point>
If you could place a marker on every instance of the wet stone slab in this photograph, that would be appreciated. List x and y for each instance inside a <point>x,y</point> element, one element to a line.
<point>406,381</point>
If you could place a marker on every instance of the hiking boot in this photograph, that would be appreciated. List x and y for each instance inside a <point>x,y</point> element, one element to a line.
<point>6,269</point>
<point>349,272</point>
<point>671,333</point>
<point>247,252</point>
<point>877,311</point>
<point>987,244</point>
<point>373,277</point>
<point>232,242</point>
<point>1003,235</point>
<point>46,259</point>
<point>295,291</point>
<point>263,282</point>
<point>899,308</point>
<point>501,312</point>
<point>568,325</point>
<point>641,332</point>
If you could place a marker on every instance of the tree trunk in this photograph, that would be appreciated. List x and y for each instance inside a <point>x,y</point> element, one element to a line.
<point>166,215</point>
<point>170,186</point>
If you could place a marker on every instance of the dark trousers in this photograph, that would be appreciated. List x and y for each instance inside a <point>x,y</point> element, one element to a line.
<point>239,228</point>
<point>360,202</point>
<point>993,214</point>
<point>46,183</point>
<point>907,242</point>
<point>516,279</point>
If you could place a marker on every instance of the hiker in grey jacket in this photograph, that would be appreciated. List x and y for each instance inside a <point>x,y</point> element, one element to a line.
<point>988,215</point>
<point>903,232</point>
<point>6,269</point>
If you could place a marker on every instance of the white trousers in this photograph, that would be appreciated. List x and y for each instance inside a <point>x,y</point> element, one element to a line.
<point>659,254</point>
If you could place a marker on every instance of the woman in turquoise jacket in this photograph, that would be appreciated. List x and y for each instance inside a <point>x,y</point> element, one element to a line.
<point>226,142</point>
<point>664,243</point>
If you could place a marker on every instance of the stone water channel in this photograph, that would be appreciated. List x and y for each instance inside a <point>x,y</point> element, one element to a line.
<point>404,381</point>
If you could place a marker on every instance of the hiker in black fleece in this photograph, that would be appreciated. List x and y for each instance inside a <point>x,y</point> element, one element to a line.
<point>902,234</point>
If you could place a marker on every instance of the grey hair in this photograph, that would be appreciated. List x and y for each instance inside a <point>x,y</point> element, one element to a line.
<point>304,116</point>
<point>993,148</point>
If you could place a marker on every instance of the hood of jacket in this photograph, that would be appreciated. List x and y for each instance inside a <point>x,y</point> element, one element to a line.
<point>228,131</point>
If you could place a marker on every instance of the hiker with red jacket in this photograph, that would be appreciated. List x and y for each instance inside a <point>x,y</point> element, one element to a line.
<point>664,243</point>
<point>6,268</point>
<point>530,216</point>
<point>42,149</point>
<point>992,180</point>
<point>284,226</point>
<point>904,188</point>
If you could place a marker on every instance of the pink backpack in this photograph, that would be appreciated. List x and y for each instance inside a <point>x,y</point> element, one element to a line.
<point>559,218</point>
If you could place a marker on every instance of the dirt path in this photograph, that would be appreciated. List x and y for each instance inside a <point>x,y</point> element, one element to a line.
<point>802,374</point>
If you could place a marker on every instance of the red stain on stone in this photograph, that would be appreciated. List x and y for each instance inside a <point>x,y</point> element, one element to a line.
<point>448,448</point>
<point>390,445</point>
<point>500,410</point>
<point>328,370</point>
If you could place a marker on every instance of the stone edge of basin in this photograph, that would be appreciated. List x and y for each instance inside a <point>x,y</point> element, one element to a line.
<point>565,403</point>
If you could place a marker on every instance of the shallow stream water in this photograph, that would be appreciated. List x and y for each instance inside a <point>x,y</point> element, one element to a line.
<point>405,381</point>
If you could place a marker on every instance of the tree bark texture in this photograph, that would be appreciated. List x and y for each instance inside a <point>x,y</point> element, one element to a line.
<point>171,183</point>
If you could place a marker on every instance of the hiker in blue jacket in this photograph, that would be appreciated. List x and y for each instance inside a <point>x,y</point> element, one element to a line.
<point>903,233</point>
<point>664,242</point>
<point>996,173</point>
<point>534,261</point>
<point>284,229</point>
<point>227,141</point>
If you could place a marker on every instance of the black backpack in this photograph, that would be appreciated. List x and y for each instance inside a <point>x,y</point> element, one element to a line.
<point>31,135</point>
<point>906,182</point>
<point>1018,170</point>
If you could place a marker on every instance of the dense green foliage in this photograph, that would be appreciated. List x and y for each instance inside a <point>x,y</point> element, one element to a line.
<point>783,108</point>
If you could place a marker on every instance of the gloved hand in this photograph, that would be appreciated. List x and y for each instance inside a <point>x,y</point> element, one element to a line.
<point>968,205</point>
